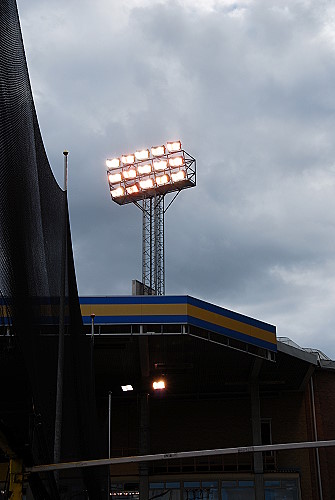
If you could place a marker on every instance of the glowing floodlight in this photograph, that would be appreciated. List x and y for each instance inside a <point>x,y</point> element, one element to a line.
<point>142,155</point>
<point>178,161</point>
<point>128,159</point>
<point>158,150</point>
<point>160,165</point>
<point>116,193</point>
<point>172,147</point>
<point>147,184</point>
<point>113,163</point>
<point>129,174</point>
<point>144,178</point>
<point>162,179</point>
<point>113,178</point>
<point>178,176</point>
<point>126,388</point>
<point>132,189</point>
<point>158,385</point>
<point>144,169</point>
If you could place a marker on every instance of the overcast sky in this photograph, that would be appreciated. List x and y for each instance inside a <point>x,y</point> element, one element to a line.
<point>248,86</point>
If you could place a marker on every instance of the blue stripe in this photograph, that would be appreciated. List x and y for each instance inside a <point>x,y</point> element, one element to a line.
<point>232,333</point>
<point>135,299</point>
<point>121,320</point>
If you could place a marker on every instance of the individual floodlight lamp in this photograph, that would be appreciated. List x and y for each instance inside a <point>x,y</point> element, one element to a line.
<point>178,176</point>
<point>147,183</point>
<point>144,168</point>
<point>128,159</point>
<point>116,193</point>
<point>172,147</point>
<point>132,189</point>
<point>113,163</point>
<point>127,388</point>
<point>160,165</point>
<point>145,178</point>
<point>162,179</point>
<point>114,178</point>
<point>158,385</point>
<point>158,150</point>
<point>177,161</point>
<point>144,154</point>
<point>129,174</point>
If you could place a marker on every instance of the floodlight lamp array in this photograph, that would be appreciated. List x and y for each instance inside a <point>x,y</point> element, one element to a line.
<point>143,174</point>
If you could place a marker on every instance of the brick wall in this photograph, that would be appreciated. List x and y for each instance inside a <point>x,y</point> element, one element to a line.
<point>324,391</point>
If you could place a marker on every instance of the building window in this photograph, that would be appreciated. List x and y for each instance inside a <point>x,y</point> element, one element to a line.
<point>282,490</point>
<point>243,490</point>
<point>201,490</point>
<point>169,490</point>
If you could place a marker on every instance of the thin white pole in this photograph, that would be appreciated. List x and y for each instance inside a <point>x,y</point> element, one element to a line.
<point>181,454</point>
<point>92,328</point>
<point>109,422</point>
<point>109,436</point>
<point>60,363</point>
<point>65,153</point>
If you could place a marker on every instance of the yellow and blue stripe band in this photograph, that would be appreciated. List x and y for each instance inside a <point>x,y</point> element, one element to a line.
<point>178,309</point>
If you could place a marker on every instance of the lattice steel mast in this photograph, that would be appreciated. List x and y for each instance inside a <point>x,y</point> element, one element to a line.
<point>153,262</point>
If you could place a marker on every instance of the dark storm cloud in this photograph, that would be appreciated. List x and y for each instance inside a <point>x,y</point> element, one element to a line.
<point>248,86</point>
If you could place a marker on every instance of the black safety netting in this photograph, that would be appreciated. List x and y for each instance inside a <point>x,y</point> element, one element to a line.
<point>33,209</point>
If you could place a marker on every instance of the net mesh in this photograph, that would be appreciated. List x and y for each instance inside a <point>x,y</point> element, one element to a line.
<point>32,211</point>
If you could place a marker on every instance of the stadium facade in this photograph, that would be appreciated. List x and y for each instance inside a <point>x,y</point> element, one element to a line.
<point>228,383</point>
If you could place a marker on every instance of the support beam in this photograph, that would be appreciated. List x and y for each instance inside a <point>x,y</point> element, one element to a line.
<point>143,347</point>
<point>256,429</point>
<point>307,378</point>
<point>315,428</point>
<point>15,478</point>
<point>144,419</point>
<point>144,444</point>
<point>15,469</point>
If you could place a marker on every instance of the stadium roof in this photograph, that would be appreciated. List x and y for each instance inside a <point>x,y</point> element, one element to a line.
<point>199,349</point>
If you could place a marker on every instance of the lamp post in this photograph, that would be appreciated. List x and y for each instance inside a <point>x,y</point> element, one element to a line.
<point>60,364</point>
<point>109,436</point>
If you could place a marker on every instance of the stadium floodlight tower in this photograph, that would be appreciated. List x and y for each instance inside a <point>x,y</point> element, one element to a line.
<point>144,178</point>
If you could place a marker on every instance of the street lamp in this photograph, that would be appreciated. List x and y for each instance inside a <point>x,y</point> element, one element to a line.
<point>158,385</point>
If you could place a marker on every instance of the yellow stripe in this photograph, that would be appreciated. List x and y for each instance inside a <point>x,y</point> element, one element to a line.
<point>164,309</point>
<point>133,309</point>
<point>232,324</point>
